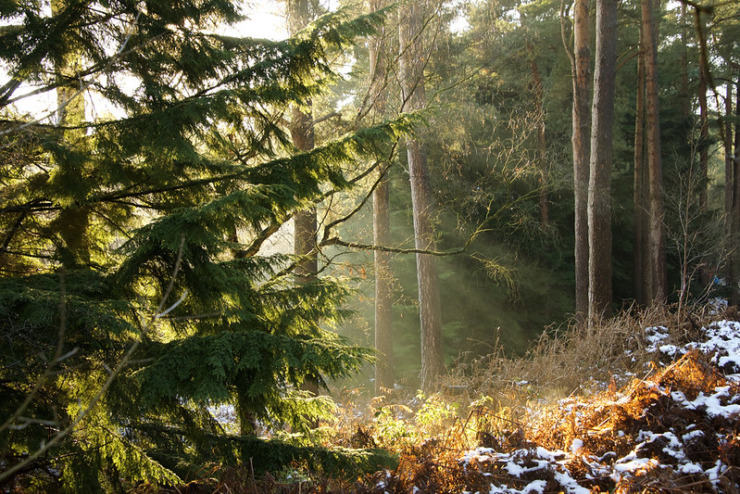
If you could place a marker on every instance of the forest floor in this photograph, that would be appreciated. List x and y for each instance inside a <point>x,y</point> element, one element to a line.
<point>632,406</point>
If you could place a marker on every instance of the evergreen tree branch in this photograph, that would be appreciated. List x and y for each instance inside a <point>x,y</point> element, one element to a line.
<point>125,360</point>
<point>56,358</point>
<point>84,85</point>
<point>9,236</point>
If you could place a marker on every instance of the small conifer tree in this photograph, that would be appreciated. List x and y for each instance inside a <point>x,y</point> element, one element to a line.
<point>133,289</point>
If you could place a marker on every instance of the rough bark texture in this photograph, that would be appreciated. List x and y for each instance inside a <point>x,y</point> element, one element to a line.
<point>729,190</point>
<point>641,263</point>
<point>580,140</point>
<point>655,167</point>
<point>735,258</point>
<point>302,135</point>
<point>704,125</point>
<point>414,97</point>
<point>381,226</point>
<point>729,161</point>
<point>599,192</point>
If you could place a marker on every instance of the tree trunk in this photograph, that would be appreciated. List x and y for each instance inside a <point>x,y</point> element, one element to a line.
<point>541,141</point>
<point>705,276</point>
<point>735,257</point>
<point>383,288</point>
<point>599,191</point>
<point>580,140</point>
<point>684,95</point>
<point>381,226</point>
<point>640,201</point>
<point>729,161</point>
<point>414,98</point>
<point>655,168</point>
<point>302,135</point>
<point>703,122</point>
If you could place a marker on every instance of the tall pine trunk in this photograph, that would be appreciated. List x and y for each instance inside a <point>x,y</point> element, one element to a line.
<point>599,191</point>
<point>581,69</point>
<point>381,224</point>
<point>703,116</point>
<point>302,135</point>
<point>735,256</point>
<point>414,98</point>
<point>640,200</point>
<point>656,236</point>
<point>729,161</point>
<point>684,95</point>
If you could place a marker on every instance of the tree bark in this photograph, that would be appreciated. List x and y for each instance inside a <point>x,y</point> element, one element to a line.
<point>381,225</point>
<point>414,98</point>
<point>641,262</point>
<point>383,288</point>
<point>304,222</point>
<point>684,95</point>
<point>729,161</point>
<point>580,141</point>
<point>656,237</point>
<point>703,120</point>
<point>735,256</point>
<point>599,191</point>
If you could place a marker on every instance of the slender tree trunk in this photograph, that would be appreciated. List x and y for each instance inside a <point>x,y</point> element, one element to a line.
<point>381,225</point>
<point>703,121</point>
<point>641,262</point>
<point>302,135</point>
<point>729,161</point>
<point>684,94</point>
<point>735,257</point>
<point>599,191</point>
<point>541,141</point>
<point>414,97</point>
<point>580,140</point>
<point>655,167</point>
<point>705,276</point>
<point>383,288</point>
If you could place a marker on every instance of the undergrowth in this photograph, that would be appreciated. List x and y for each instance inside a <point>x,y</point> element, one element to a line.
<point>578,403</point>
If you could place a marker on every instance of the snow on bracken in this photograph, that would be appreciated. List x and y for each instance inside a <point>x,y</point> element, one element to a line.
<point>674,420</point>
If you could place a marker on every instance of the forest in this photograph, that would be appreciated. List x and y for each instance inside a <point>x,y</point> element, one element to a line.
<point>382,246</point>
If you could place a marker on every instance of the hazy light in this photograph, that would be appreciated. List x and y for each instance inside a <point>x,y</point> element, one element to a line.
<point>265,20</point>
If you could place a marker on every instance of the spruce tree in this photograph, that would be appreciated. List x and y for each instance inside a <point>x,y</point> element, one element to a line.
<point>117,335</point>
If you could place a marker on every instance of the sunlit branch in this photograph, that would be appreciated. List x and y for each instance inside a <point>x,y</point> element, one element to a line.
<point>56,358</point>
<point>84,85</point>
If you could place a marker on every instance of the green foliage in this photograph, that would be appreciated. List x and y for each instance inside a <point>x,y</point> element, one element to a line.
<point>131,244</point>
